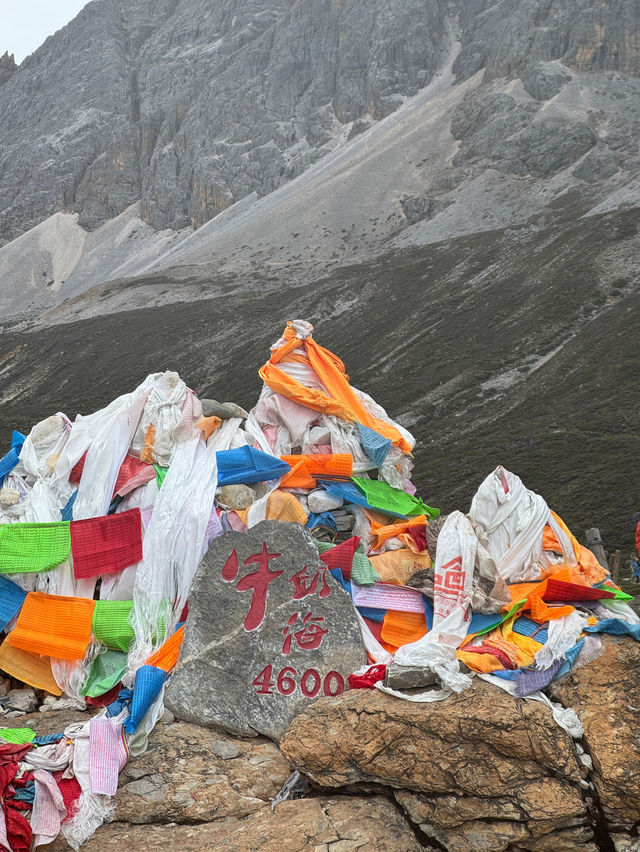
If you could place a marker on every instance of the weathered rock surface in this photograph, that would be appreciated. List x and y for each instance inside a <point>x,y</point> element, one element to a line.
<point>488,772</point>
<point>345,824</point>
<point>268,631</point>
<point>606,696</point>
<point>195,790</point>
<point>193,775</point>
<point>479,772</point>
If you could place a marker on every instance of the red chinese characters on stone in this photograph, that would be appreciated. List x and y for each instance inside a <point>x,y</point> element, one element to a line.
<point>309,637</point>
<point>449,586</point>
<point>258,581</point>
<point>305,584</point>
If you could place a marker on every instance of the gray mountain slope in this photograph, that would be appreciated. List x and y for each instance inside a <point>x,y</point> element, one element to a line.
<point>301,135</point>
<point>486,364</point>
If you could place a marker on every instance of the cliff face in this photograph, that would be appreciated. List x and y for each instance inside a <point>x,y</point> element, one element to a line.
<point>190,106</point>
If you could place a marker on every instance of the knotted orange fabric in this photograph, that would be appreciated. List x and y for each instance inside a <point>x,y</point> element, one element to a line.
<point>305,469</point>
<point>208,425</point>
<point>383,533</point>
<point>339,398</point>
<point>167,654</point>
<point>589,570</point>
<point>54,625</point>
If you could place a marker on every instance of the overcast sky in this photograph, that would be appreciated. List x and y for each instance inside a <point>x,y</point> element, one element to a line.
<point>25,24</point>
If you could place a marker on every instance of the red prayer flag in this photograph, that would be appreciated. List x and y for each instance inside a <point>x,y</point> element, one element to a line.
<point>341,556</point>
<point>107,544</point>
<point>560,590</point>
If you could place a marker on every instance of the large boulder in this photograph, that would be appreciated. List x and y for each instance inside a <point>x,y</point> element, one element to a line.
<point>606,696</point>
<point>269,630</point>
<point>477,771</point>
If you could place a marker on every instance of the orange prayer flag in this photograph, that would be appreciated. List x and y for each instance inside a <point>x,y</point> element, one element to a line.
<point>54,625</point>
<point>167,654</point>
<point>401,628</point>
<point>305,469</point>
<point>28,668</point>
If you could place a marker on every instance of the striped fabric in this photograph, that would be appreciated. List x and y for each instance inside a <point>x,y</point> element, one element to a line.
<point>107,755</point>
<point>48,808</point>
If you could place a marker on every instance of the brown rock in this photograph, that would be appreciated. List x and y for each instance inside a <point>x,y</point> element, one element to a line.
<point>473,744</point>
<point>191,774</point>
<point>606,696</point>
<point>525,815</point>
<point>491,772</point>
<point>345,824</point>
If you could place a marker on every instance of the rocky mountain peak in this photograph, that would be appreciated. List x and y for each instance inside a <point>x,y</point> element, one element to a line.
<point>7,66</point>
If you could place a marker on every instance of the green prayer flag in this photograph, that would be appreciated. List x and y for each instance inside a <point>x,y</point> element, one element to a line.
<point>33,547</point>
<point>111,624</point>
<point>106,671</point>
<point>384,497</point>
<point>362,571</point>
<point>161,472</point>
<point>19,736</point>
<point>619,594</point>
<point>502,618</point>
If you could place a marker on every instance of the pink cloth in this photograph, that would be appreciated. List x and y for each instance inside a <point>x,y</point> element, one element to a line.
<point>107,755</point>
<point>4,840</point>
<point>48,808</point>
<point>143,476</point>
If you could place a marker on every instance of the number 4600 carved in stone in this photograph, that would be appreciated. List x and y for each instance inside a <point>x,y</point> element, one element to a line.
<point>310,682</point>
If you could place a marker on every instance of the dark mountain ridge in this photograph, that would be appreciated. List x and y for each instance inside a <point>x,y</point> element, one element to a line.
<point>448,190</point>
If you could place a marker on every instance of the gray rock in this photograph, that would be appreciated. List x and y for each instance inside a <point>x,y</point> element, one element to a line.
<point>199,105</point>
<point>236,496</point>
<point>543,82</point>
<point>418,209</point>
<point>412,677</point>
<point>250,663</point>
<point>495,129</point>
<point>8,67</point>
<point>408,677</point>
<point>224,749</point>
<point>596,165</point>
<point>223,410</point>
<point>21,699</point>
